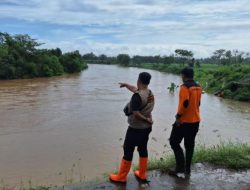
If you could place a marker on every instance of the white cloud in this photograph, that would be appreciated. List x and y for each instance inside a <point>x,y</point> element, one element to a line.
<point>138,26</point>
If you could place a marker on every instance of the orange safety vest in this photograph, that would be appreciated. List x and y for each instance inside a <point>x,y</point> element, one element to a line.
<point>189,102</point>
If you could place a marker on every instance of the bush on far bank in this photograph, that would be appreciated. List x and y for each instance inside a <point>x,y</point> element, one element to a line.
<point>20,58</point>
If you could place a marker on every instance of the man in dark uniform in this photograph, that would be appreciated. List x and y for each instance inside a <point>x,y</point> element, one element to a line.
<point>138,111</point>
<point>187,122</point>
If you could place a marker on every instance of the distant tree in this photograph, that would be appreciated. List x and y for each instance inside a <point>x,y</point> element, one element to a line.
<point>3,53</point>
<point>191,62</point>
<point>56,52</point>
<point>168,59</point>
<point>72,62</point>
<point>247,58</point>
<point>103,59</point>
<point>54,64</point>
<point>218,55</point>
<point>20,58</point>
<point>90,56</point>
<point>7,71</point>
<point>228,56</point>
<point>157,59</point>
<point>137,60</point>
<point>123,59</point>
<point>198,64</point>
<point>183,55</point>
<point>238,56</point>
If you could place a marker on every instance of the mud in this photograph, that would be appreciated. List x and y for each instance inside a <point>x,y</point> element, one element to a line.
<point>204,177</point>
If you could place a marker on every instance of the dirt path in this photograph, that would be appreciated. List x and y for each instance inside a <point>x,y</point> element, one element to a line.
<point>204,177</point>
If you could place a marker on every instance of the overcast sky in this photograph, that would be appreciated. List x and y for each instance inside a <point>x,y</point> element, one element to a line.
<point>144,27</point>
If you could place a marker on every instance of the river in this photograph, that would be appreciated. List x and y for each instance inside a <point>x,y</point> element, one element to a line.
<point>59,129</point>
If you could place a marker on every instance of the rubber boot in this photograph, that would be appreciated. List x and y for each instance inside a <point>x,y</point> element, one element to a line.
<point>142,172</point>
<point>121,177</point>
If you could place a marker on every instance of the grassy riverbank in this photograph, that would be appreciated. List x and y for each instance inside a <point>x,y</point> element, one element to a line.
<point>230,155</point>
<point>232,82</point>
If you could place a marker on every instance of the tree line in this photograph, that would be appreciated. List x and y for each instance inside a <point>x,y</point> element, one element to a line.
<point>20,58</point>
<point>180,56</point>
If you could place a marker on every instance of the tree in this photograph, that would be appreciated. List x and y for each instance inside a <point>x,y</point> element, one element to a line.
<point>7,71</point>
<point>218,55</point>
<point>191,62</point>
<point>20,58</point>
<point>157,59</point>
<point>54,65</point>
<point>103,59</point>
<point>26,43</point>
<point>169,59</point>
<point>183,55</point>
<point>228,55</point>
<point>72,62</point>
<point>89,57</point>
<point>238,56</point>
<point>123,59</point>
<point>56,52</point>
<point>3,53</point>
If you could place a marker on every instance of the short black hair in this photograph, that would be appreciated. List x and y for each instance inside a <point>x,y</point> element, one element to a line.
<point>188,72</point>
<point>144,77</point>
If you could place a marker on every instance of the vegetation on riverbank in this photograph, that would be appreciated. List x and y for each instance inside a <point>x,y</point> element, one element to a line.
<point>226,73</point>
<point>228,81</point>
<point>230,155</point>
<point>20,58</point>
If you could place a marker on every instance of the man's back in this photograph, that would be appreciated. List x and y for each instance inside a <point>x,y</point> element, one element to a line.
<point>189,102</point>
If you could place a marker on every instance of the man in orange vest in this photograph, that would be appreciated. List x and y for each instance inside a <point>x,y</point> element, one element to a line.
<point>187,123</point>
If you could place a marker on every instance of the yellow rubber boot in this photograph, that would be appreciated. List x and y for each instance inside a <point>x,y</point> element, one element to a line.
<point>121,177</point>
<point>142,172</point>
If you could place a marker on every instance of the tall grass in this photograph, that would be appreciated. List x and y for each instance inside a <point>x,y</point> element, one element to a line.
<point>230,155</point>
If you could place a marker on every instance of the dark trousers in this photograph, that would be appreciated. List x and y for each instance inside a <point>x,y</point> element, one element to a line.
<point>187,131</point>
<point>136,137</point>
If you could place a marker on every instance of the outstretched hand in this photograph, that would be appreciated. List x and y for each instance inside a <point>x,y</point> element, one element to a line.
<point>128,86</point>
<point>122,84</point>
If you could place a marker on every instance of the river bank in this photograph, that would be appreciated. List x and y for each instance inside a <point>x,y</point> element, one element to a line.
<point>204,177</point>
<point>231,82</point>
<point>226,166</point>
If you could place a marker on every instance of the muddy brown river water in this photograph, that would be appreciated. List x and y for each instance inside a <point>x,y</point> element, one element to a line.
<point>59,129</point>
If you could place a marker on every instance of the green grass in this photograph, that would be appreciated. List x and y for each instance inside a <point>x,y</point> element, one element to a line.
<point>233,156</point>
<point>229,155</point>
